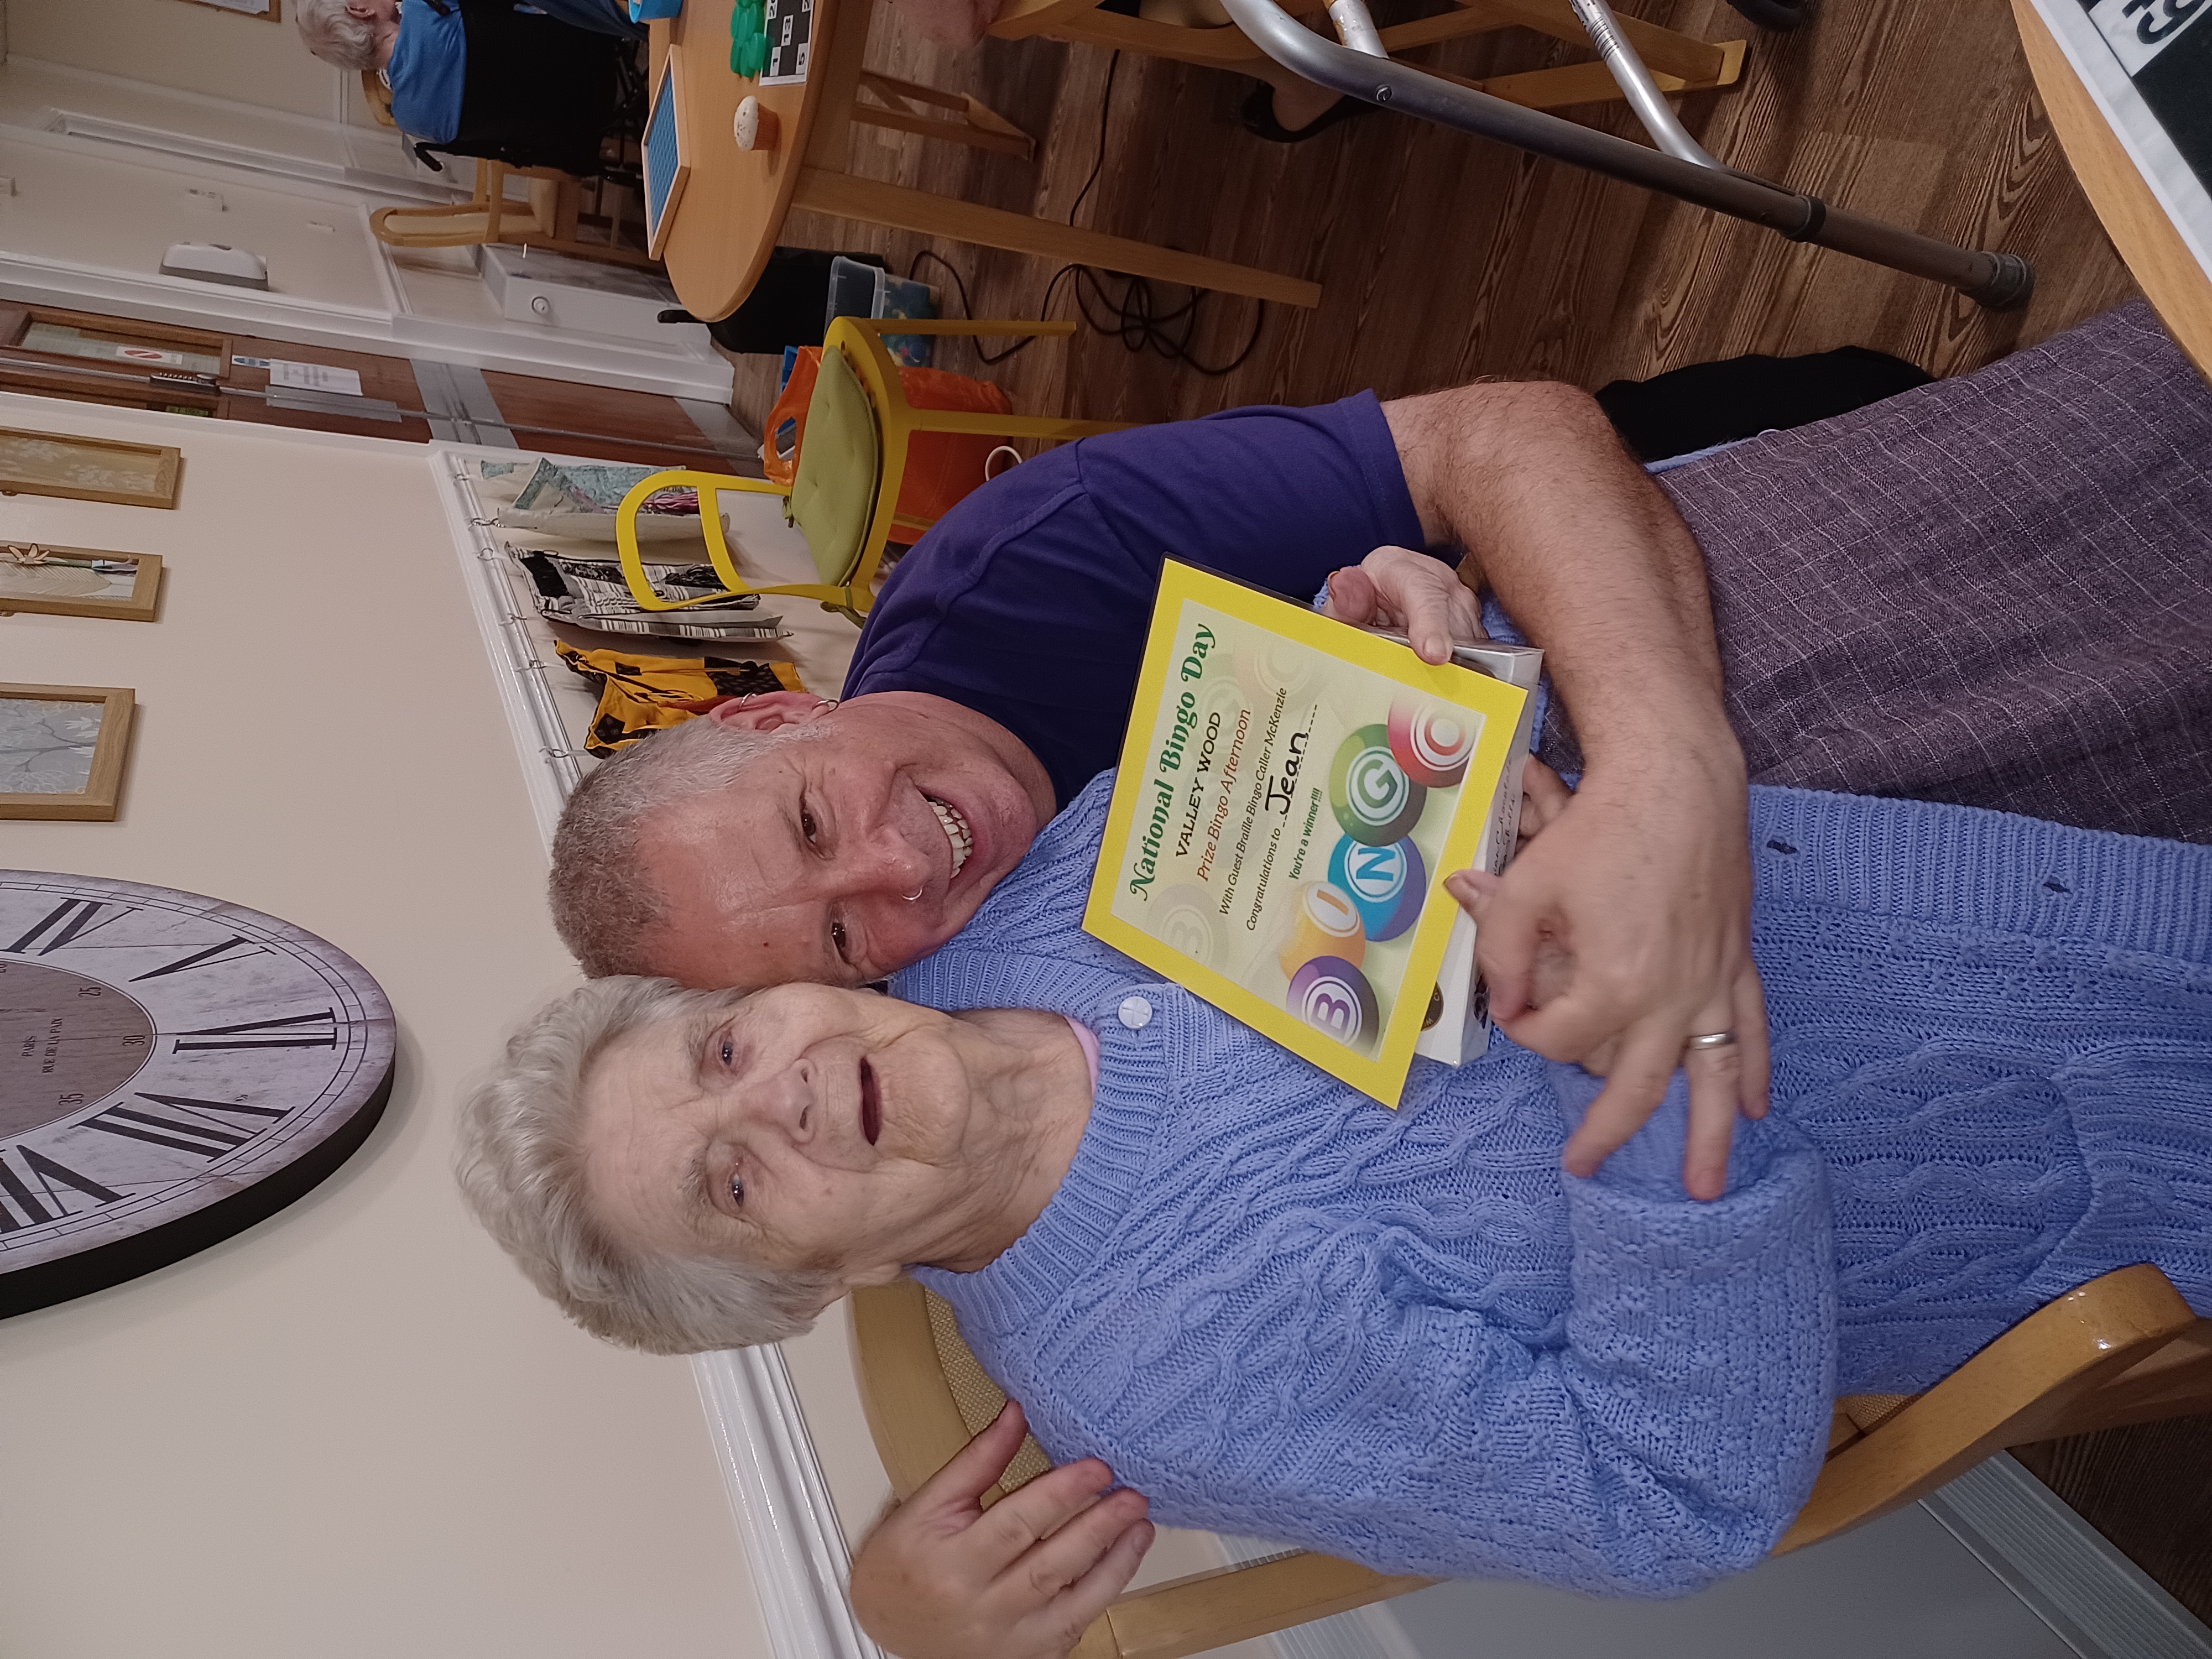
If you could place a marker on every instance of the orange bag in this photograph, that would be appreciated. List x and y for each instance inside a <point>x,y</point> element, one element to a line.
<point>941,467</point>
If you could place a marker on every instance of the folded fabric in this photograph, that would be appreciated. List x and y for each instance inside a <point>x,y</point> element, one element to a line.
<point>640,696</point>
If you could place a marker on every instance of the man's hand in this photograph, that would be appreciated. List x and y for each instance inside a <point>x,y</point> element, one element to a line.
<point>1640,891</point>
<point>1409,593</point>
<point>942,1577</point>
<point>1623,930</point>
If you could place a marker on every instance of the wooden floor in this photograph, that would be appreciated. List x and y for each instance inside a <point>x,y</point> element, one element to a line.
<point>2149,1489</point>
<point>1444,258</point>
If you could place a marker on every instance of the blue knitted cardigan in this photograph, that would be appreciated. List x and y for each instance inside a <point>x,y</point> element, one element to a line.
<point>1407,1338</point>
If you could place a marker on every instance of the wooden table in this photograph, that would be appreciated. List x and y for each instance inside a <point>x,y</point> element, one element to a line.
<point>2175,284</point>
<point>733,208</point>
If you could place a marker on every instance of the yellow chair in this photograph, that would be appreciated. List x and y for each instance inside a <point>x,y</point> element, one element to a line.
<point>845,497</point>
<point>2123,1349</point>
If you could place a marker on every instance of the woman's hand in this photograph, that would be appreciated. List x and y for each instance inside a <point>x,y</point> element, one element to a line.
<point>1412,594</point>
<point>942,1577</point>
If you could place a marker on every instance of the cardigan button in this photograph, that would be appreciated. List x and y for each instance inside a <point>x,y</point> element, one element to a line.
<point>1136,1013</point>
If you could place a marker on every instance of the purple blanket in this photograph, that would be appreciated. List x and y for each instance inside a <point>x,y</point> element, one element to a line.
<point>1995,591</point>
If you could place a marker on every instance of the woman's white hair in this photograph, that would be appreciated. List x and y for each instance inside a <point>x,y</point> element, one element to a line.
<point>520,1163</point>
<point>604,905</point>
<point>335,35</point>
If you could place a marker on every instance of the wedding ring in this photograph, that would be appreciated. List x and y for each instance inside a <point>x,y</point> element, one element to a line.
<point>1711,1040</point>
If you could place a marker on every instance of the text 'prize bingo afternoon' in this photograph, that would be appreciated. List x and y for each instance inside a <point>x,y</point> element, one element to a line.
<point>1292,792</point>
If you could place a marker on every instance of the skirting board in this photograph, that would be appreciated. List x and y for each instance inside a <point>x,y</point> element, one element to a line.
<point>2101,1603</point>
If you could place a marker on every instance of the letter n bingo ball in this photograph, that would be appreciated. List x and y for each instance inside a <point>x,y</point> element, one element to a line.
<point>1332,995</point>
<point>1374,800</point>
<point>1388,884</point>
<point>1432,742</point>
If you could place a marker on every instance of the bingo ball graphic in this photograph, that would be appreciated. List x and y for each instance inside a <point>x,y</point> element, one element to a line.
<point>1388,884</point>
<point>1332,996</point>
<point>1373,799</point>
<point>1433,741</point>
<point>1188,923</point>
<point>1325,921</point>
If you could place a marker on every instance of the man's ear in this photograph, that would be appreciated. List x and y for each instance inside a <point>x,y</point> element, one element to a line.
<point>772,709</point>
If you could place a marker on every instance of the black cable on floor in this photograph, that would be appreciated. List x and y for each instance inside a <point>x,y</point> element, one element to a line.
<point>1131,314</point>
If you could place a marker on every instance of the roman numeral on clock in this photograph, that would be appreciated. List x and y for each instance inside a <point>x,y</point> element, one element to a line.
<point>194,1133</point>
<point>67,922</point>
<point>299,1031</point>
<point>21,1208</point>
<point>213,956</point>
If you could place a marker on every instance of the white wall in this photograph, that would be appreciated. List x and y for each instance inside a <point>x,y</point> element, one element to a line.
<point>31,88</point>
<point>318,249</point>
<point>169,42</point>
<point>353,1432</point>
<point>91,217</point>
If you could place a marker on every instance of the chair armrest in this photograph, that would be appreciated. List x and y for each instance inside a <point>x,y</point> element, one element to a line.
<point>2020,1387</point>
<point>912,1416</point>
<point>708,484</point>
<point>1212,1609</point>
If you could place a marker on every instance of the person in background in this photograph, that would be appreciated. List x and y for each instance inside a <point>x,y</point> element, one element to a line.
<point>349,34</point>
<point>420,48</point>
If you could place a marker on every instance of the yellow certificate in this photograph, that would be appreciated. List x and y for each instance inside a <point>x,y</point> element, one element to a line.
<point>1293,793</point>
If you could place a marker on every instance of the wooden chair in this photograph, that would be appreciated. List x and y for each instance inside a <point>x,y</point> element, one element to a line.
<point>1678,62</point>
<point>547,219</point>
<point>845,497</point>
<point>2125,1348</point>
<point>378,96</point>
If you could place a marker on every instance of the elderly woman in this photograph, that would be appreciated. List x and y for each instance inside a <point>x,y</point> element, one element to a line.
<point>1408,1337</point>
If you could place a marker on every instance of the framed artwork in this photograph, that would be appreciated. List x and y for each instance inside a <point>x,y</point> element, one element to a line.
<point>61,748</point>
<point>78,581</point>
<point>87,468</point>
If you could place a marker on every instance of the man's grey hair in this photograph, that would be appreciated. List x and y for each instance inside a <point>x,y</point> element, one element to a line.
<point>521,1166</point>
<point>604,903</point>
<point>335,35</point>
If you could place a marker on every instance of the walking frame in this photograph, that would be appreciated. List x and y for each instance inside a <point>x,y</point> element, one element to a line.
<point>1356,65</point>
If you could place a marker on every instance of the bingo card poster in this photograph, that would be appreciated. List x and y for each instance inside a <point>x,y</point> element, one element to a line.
<point>1293,791</point>
<point>2147,63</point>
<point>790,42</point>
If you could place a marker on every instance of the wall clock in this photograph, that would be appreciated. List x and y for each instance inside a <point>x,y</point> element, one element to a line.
<point>172,1069</point>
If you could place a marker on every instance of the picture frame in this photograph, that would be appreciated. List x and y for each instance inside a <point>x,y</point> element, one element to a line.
<point>62,583</point>
<point>268,10</point>
<point>52,737</point>
<point>87,468</point>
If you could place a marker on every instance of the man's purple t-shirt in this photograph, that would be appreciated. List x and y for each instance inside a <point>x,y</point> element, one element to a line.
<point>1030,601</point>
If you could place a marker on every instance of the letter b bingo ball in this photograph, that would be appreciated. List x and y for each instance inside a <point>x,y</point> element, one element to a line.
<point>1388,884</point>
<point>1432,743</point>
<point>1374,800</point>
<point>1332,995</point>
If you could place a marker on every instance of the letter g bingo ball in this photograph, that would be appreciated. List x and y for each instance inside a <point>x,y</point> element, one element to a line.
<point>1374,800</point>
<point>1433,741</point>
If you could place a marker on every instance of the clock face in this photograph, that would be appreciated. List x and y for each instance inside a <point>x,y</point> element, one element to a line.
<point>172,1069</point>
